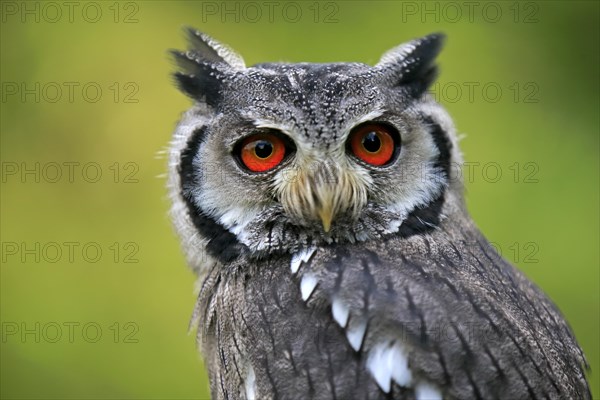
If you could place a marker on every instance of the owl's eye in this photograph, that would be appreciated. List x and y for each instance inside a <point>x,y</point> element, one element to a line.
<point>374,143</point>
<point>262,151</point>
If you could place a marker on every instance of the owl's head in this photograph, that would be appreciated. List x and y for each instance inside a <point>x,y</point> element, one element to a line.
<point>278,157</point>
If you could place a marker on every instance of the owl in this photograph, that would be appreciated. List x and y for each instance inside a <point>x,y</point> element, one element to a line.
<point>322,207</point>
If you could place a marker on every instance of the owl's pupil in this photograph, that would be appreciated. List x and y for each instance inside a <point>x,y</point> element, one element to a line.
<point>371,142</point>
<point>263,149</point>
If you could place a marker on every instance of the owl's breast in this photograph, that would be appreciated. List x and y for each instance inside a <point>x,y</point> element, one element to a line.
<point>434,316</point>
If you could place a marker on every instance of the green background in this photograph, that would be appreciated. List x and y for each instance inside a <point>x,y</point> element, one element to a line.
<point>542,56</point>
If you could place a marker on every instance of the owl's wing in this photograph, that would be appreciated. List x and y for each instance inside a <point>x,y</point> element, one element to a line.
<point>444,315</point>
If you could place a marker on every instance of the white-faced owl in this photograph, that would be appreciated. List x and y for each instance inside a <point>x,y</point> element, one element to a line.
<point>322,207</point>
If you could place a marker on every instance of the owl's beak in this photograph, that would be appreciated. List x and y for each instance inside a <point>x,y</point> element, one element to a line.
<point>322,192</point>
<point>326,215</point>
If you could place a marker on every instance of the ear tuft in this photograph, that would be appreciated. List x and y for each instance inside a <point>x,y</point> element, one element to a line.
<point>204,67</point>
<point>209,50</point>
<point>412,65</point>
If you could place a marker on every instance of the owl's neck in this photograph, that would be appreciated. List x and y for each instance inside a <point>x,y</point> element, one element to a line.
<point>279,235</point>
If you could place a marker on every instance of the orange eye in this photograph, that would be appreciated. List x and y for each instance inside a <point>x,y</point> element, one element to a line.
<point>374,143</point>
<point>262,152</point>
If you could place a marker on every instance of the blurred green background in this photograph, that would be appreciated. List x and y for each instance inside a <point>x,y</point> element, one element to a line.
<point>87,90</point>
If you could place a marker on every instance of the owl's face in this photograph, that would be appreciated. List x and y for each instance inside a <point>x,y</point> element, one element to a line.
<point>278,157</point>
